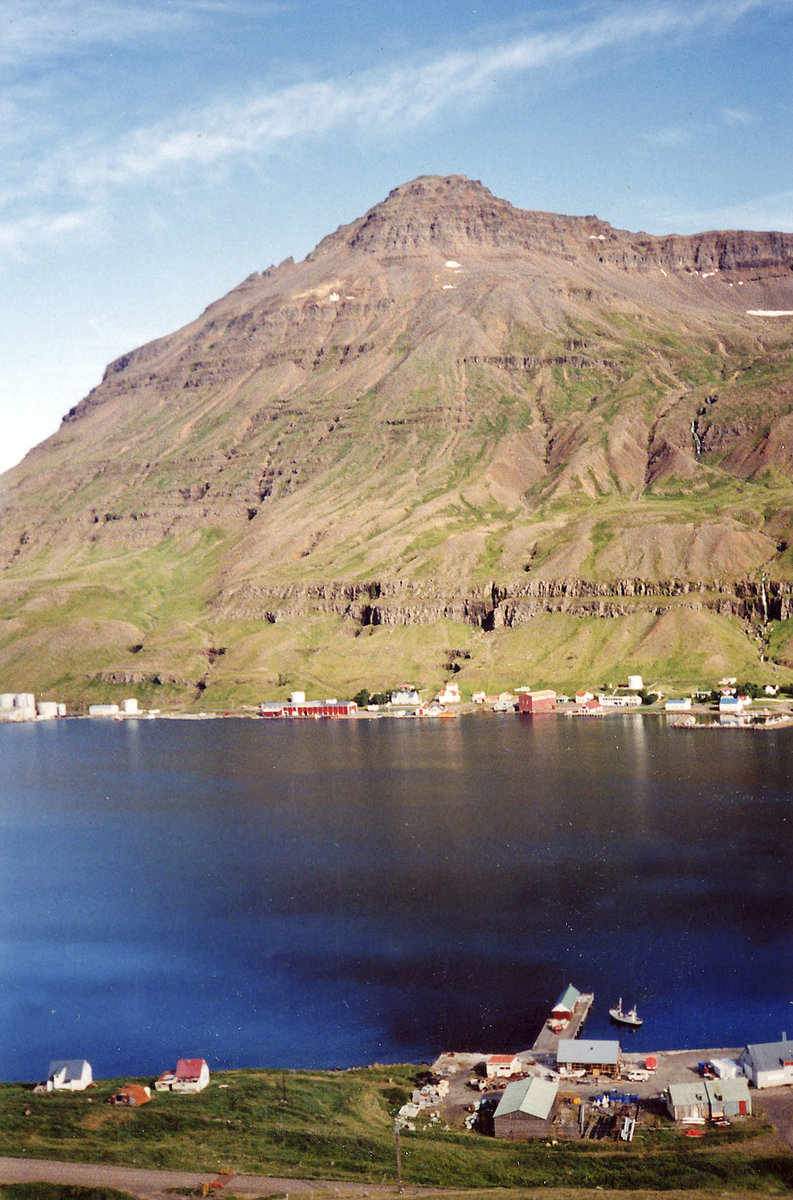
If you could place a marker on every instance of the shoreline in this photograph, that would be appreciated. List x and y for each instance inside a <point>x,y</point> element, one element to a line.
<point>760,720</point>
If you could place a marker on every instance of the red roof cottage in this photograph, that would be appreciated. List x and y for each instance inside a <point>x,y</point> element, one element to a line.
<point>191,1075</point>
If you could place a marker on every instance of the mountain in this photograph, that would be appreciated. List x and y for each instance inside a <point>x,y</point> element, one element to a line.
<point>457,437</point>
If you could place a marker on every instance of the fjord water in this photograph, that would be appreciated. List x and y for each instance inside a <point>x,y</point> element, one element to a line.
<point>336,893</point>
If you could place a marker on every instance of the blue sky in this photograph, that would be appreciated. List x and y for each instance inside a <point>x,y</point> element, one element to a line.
<point>155,152</point>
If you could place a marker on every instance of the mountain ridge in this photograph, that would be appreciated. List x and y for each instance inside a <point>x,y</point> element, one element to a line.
<point>448,394</point>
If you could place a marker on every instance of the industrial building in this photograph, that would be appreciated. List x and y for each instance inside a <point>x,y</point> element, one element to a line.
<point>768,1064</point>
<point>708,1099</point>
<point>537,702</point>
<point>524,1108</point>
<point>309,709</point>
<point>565,1006</point>
<point>598,1058</point>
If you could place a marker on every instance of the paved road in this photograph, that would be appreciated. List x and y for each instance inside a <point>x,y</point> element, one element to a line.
<point>156,1185</point>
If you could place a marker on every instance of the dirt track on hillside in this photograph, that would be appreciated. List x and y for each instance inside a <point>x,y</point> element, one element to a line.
<point>159,1185</point>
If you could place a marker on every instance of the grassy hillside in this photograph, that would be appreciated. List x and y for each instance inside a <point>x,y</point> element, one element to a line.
<point>340,1125</point>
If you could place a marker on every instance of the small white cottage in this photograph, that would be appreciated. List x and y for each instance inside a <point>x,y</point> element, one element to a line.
<point>69,1074</point>
<point>502,1066</point>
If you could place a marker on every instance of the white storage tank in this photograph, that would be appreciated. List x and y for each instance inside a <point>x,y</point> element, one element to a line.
<point>129,706</point>
<point>635,683</point>
<point>47,710</point>
<point>25,700</point>
<point>61,710</point>
<point>103,710</point>
<point>297,697</point>
<point>6,700</point>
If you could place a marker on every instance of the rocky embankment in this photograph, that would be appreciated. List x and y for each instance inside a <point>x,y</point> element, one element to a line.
<point>495,606</point>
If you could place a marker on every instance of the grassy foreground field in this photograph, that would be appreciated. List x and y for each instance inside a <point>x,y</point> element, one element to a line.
<point>340,1126</point>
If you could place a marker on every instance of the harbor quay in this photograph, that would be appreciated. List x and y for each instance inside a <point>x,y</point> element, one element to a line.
<point>567,1086</point>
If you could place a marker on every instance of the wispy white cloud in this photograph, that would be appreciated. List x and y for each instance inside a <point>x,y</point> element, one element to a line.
<point>669,138</point>
<point>33,30</point>
<point>259,121</point>
<point>738,117</point>
<point>16,233</point>
<point>769,211</point>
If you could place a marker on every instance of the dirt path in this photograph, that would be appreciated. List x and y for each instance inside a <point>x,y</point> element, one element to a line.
<point>158,1185</point>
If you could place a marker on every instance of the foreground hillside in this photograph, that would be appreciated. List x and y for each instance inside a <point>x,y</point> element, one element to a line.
<point>524,447</point>
<point>340,1126</point>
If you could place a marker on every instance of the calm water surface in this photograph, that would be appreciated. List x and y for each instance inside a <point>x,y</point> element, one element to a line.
<point>327,894</point>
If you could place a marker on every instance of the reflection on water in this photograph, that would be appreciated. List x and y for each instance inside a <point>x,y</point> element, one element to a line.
<point>335,893</point>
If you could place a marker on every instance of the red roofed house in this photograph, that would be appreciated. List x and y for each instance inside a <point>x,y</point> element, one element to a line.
<point>502,1065</point>
<point>191,1075</point>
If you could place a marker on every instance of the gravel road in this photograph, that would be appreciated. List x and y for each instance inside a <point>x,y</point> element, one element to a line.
<point>157,1185</point>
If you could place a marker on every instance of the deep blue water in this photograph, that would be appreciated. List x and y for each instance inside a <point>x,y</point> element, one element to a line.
<point>328,894</point>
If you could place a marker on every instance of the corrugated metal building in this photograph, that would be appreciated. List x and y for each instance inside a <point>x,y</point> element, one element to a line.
<point>525,1107</point>
<point>602,1057</point>
<point>768,1064</point>
<point>687,1100</point>
<point>729,1097</point>
<point>709,1098</point>
<point>564,1007</point>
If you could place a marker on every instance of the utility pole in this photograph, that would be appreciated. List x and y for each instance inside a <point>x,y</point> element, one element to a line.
<point>398,1157</point>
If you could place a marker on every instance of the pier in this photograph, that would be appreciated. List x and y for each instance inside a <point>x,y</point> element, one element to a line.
<point>547,1042</point>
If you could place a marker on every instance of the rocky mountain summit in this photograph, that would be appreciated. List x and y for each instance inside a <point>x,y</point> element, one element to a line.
<point>457,436</point>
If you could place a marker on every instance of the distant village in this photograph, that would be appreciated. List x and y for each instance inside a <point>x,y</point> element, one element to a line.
<point>564,1086</point>
<point>727,703</point>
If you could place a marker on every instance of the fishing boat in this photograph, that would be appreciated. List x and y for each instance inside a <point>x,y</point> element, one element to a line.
<point>630,1018</point>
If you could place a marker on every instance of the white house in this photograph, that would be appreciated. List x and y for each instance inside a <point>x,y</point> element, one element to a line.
<point>768,1064</point>
<point>405,694</point>
<point>191,1075</point>
<point>614,700</point>
<point>450,694</point>
<point>678,704</point>
<point>501,1066</point>
<point>69,1074</point>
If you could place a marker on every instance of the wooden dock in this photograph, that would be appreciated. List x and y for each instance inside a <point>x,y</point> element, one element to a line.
<point>547,1042</point>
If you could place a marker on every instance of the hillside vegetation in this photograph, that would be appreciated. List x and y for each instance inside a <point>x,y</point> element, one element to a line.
<point>559,449</point>
<point>340,1125</point>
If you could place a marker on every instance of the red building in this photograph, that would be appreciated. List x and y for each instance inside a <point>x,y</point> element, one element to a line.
<point>537,702</point>
<point>310,709</point>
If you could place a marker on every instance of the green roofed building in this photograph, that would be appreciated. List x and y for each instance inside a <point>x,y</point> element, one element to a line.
<point>565,1005</point>
<point>524,1108</point>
